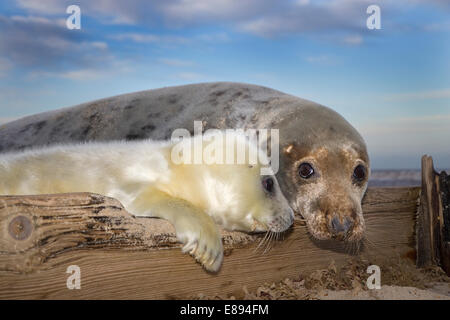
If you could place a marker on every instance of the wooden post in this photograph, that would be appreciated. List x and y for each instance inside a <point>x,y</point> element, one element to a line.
<point>124,257</point>
<point>433,218</point>
<point>444,184</point>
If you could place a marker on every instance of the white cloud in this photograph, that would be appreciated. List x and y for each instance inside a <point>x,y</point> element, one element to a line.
<point>268,26</point>
<point>214,37</point>
<point>48,49</point>
<point>176,62</point>
<point>113,67</point>
<point>180,12</point>
<point>136,37</point>
<point>75,75</point>
<point>114,11</point>
<point>31,19</point>
<point>322,59</point>
<point>171,12</point>
<point>260,17</point>
<point>189,76</point>
<point>83,74</point>
<point>170,39</point>
<point>150,38</point>
<point>99,45</point>
<point>48,6</point>
<point>353,40</point>
<point>306,17</point>
<point>302,2</point>
<point>43,43</point>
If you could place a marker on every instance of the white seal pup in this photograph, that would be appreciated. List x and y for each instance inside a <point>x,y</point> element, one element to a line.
<point>144,177</point>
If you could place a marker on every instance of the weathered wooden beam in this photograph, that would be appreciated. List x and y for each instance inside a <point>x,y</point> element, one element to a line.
<point>444,186</point>
<point>427,219</point>
<point>123,257</point>
<point>433,221</point>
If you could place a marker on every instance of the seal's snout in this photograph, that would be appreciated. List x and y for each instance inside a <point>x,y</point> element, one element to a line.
<point>282,222</point>
<point>341,227</point>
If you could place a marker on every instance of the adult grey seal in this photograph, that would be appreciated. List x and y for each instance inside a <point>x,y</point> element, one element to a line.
<point>324,165</point>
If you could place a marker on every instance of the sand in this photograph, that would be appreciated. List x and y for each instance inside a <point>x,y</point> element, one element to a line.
<point>441,292</point>
<point>400,279</point>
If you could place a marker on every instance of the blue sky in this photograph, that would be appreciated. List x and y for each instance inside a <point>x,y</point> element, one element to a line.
<point>392,84</point>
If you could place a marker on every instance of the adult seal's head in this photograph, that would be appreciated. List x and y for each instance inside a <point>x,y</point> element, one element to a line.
<point>324,169</point>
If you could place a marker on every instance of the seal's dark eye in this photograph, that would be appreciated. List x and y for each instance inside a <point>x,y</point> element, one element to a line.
<point>268,184</point>
<point>359,174</point>
<point>305,170</point>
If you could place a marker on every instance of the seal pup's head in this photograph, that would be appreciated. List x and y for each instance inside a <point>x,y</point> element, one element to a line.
<point>237,194</point>
<point>325,170</point>
<point>244,200</point>
<point>265,206</point>
<point>254,202</point>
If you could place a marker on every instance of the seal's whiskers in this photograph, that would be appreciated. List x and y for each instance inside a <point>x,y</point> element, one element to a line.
<point>269,242</point>
<point>262,241</point>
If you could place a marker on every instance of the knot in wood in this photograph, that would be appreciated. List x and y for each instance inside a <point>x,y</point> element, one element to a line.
<point>20,228</point>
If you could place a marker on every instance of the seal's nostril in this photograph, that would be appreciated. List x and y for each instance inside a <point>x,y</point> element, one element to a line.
<point>339,227</point>
<point>348,223</point>
<point>336,225</point>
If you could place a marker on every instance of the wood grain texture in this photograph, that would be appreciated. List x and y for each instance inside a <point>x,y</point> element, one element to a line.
<point>433,222</point>
<point>123,257</point>
<point>428,222</point>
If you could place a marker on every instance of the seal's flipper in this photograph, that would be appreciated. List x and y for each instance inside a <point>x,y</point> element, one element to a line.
<point>193,227</point>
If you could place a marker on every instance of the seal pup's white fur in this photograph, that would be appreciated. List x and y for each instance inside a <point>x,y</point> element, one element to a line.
<point>141,174</point>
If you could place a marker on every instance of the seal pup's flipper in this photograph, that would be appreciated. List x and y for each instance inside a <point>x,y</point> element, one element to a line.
<point>193,227</point>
